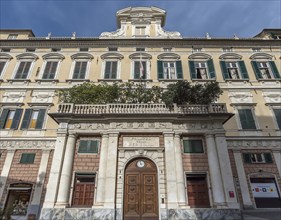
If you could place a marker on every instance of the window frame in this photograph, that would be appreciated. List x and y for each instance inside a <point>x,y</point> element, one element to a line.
<point>90,153</point>
<point>193,139</point>
<point>29,120</point>
<point>25,57</point>
<point>14,121</point>
<point>28,162</point>
<point>248,158</point>
<point>5,58</point>
<point>145,28</point>
<point>80,57</point>
<point>277,125</point>
<point>12,36</point>
<point>252,108</point>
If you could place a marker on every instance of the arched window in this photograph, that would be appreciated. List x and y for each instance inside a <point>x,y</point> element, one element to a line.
<point>80,66</point>
<point>51,65</point>
<point>24,66</point>
<point>4,60</point>
<point>111,66</point>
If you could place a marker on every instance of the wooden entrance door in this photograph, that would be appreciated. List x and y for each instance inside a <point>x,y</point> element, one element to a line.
<point>141,194</point>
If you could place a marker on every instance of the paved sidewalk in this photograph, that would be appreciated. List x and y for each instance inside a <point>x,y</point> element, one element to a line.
<point>262,214</point>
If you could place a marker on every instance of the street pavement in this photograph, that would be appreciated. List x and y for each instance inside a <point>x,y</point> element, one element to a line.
<point>262,214</point>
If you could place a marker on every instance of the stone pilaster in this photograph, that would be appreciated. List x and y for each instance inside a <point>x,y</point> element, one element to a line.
<point>215,173</point>
<point>54,178</point>
<point>34,207</point>
<point>110,181</point>
<point>6,170</point>
<point>102,171</point>
<point>277,158</point>
<point>226,172</point>
<point>171,178</point>
<point>247,202</point>
<point>66,173</point>
<point>182,200</point>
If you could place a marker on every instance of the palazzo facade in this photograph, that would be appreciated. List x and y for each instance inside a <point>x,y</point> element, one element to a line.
<point>139,161</point>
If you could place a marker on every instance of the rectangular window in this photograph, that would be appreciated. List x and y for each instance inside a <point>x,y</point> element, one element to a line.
<point>80,70</point>
<point>23,70</point>
<point>265,70</point>
<point>2,65</point>
<point>140,31</point>
<point>84,49</point>
<point>233,70</point>
<point>112,49</point>
<point>56,49</point>
<point>6,49</point>
<point>197,49</point>
<point>140,49</point>
<point>277,113</point>
<point>246,119</point>
<point>110,71</point>
<point>227,49</point>
<point>12,36</point>
<point>27,158</point>
<point>84,187</point>
<point>10,118</point>
<point>257,157</point>
<point>193,146</point>
<point>201,70</point>
<point>50,70</point>
<point>167,49</point>
<point>88,146</point>
<point>170,71</point>
<point>140,70</point>
<point>30,49</point>
<point>33,119</point>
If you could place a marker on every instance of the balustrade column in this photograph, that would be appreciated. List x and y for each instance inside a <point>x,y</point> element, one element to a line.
<point>226,171</point>
<point>247,202</point>
<point>182,200</point>
<point>54,177</point>
<point>6,170</point>
<point>66,173</point>
<point>102,170</point>
<point>215,173</point>
<point>170,164</point>
<point>110,181</point>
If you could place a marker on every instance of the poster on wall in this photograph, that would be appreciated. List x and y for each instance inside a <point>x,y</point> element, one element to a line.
<point>264,190</point>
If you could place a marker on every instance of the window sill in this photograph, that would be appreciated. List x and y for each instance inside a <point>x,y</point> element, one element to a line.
<point>46,80</point>
<point>19,80</point>
<point>109,80</point>
<point>237,80</point>
<point>40,104</point>
<point>140,80</point>
<point>11,103</point>
<point>77,80</point>
<point>203,80</point>
<point>169,80</point>
<point>268,80</point>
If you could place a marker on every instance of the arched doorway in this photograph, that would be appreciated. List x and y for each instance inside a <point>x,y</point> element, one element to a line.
<point>141,190</point>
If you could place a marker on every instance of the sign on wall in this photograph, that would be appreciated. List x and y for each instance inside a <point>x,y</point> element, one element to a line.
<point>140,141</point>
<point>264,190</point>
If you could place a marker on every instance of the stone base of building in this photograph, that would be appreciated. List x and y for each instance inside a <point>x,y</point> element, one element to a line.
<point>166,214</point>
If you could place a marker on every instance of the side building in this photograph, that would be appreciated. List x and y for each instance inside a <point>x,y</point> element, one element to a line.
<point>139,161</point>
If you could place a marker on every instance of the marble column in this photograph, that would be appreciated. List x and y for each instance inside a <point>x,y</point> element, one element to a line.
<point>277,158</point>
<point>6,170</point>
<point>215,173</point>
<point>182,200</point>
<point>34,207</point>
<point>110,181</point>
<point>66,173</point>
<point>171,178</point>
<point>226,171</point>
<point>247,202</point>
<point>102,171</point>
<point>54,177</point>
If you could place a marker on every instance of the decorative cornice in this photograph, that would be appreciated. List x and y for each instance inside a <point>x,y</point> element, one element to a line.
<point>27,144</point>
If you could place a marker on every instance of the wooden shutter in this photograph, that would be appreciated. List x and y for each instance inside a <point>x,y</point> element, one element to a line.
<point>26,119</point>
<point>192,69</point>
<point>247,119</point>
<point>243,69</point>
<point>268,158</point>
<point>247,158</point>
<point>256,69</point>
<point>3,118</point>
<point>160,69</point>
<point>16,119</point>
<point>211,69</point>
<point>179,69</point>
<point>40,119</point>
<point>224,70</point>
<point>274,70</point>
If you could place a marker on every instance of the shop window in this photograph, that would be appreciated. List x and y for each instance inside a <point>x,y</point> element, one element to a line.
<point>18,199</point>
<point>88,146</point>
<point>33,119</point>
<point>257,158</point>
<point>193,146</point>
<point>10,118</point>
<point>84,186</point>
<point>27,158</point>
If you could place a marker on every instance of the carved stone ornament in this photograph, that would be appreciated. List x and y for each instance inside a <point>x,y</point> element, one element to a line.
<point>13,97</point>
<point>28,144</point>
<point>254,144</point>
<point>43,96</point>
<point>272,97</point>
<point>241,97</point>
<point>160,32</point>
<point>115,34</point>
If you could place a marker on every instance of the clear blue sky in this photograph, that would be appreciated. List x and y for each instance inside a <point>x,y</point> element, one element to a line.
<point>192,18</point>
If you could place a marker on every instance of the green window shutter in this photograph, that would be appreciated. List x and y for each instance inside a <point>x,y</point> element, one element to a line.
<point>3,118</point>
<point>179,69</point>
<point>277,113</point>
<point>40,119</point>
<point>268,158</point>
<point>247,158</point>
<point>26,119</point>
<point>16,119</point>
<point>274,70</point>
<point>27,158</point>
<point>246,119</point>
<point>243,69</point>
<point>211,69</point>
<point>160,69</point>
<point>256,69</point>
<point>224,70</point>
<point>192,69</point>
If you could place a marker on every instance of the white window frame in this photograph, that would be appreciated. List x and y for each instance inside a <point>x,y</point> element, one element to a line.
<point>132,68</point>
<point>200,62</point>
<point>272,107</point>
<point>44,66</point>
<point>267,66</point>
<point>30,69</point>
<point>233,67</point>
<point>168,68</point>
<point>12,36</point>
<point>194,138</point>
<point>4,68</point>
<point>73,67</point>
<point>118,68</point>
<point>255,155</point>
<point>146,30</point>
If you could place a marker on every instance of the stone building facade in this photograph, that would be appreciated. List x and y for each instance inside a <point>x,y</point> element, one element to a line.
<point>139,161</point>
